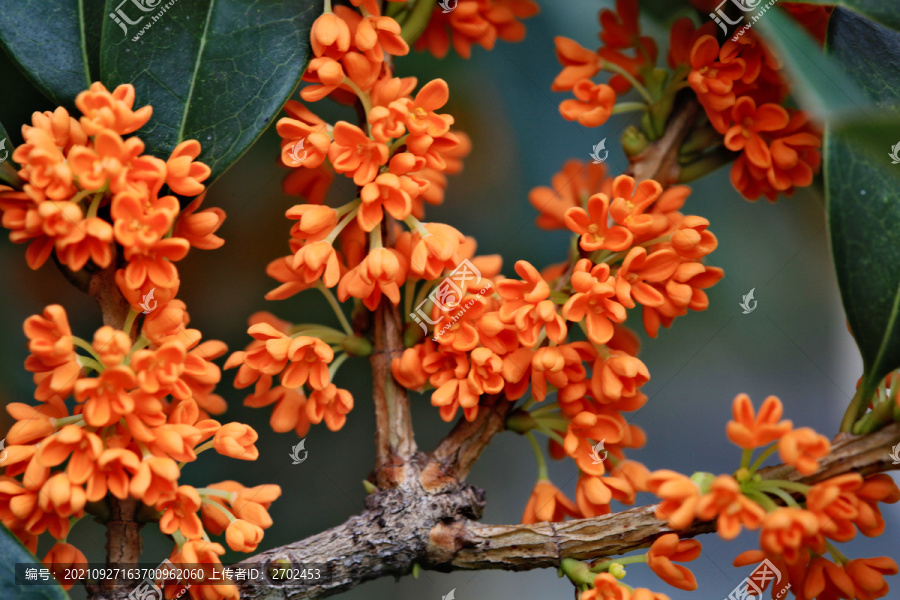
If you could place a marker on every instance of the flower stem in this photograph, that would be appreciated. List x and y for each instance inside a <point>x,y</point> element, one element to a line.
<point>640,89</point>
<point>858,404</point>
<point>85,346</point>
<point>624,107</point>
<point>762,457</point>
<point>628,560</point>
<point>335,305</point>
<point>129,321</point>
<point>745,458</point>
<point>539,455</point>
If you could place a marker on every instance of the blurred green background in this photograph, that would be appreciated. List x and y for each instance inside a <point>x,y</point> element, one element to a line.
<point>794,345</point>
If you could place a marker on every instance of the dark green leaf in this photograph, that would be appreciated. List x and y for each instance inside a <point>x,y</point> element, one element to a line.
<point>217,71</point>
<point>864,198</point>
<point>55,43</point>
<point>821,84</point>
<point>11,552</point>
<point>886,12</point>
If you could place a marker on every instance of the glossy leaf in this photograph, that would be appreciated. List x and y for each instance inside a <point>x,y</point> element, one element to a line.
<point>11,552</point>
<point>217,71</point>
<point>864,200</point>
<point>55,42</point>
<point>886,12</point>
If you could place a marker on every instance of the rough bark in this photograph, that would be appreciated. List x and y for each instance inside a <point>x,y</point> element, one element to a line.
<point>438,530</point>
<point>659,160</point>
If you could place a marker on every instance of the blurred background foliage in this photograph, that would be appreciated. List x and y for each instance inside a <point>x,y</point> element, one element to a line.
<point>794,345</point>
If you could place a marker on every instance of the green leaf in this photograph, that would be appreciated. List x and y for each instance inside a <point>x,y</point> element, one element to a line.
<point>55,43</point>
<point>863,201</point>
<point>820,83</point>
<point>886,12</point>
<point>11,552</point>
<point>217,71</point>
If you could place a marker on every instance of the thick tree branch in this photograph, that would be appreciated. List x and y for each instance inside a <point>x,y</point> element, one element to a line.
<point>437,529</point>
<point>464,444</point>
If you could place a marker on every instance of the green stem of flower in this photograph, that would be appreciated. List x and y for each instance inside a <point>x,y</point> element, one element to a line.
<point>129,321</point>
<point>628,560</point>
<point>836,554</point>
<point>762,500</point>
<point>85,346</point>
<point>539,456</point>
<point>336,364</point>
<point>785,497</point>
<point>228,496</point>
<point>624,107</point>
<point>640,89</point>
<point>343,223</point>
<point>858,404</point>
<point>397,143</point>
<point>745,458</point>
<point>335,305</point>
<point>200,449</point>
<point>762,458</point>
<point>228,514</point>
<point>73,420</point>
<point>550,433</point>
<point>409,292</point>
<point>90,363</point>
<point>794,486</point>
<point>416,225</point>
<point>364,97</point>
<point>375,239</point>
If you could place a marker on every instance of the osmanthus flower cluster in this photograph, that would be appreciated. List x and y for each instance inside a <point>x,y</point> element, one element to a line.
<point>119,416</point>
<point>739,83</point>
<point>399,159</point>
<point>798,523</point>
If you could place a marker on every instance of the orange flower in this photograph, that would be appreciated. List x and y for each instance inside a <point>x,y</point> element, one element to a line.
<point>376,35</point>
<point>579,64</point>
<point>331,404</point>
<point>158,371</point>
<point>574,182</point>
<point>72,442</point>
<point>354,154</point>
<point>824,579</point>
<point>592,225</point>
<point>435,251</point>
<point>712,80</point>
<point>387,192</point>
<point>329,36</point>
<point>61,496</point>
<point>156,479</point>
<point>592,106</point>
<point>548,503</point>
<point>752,431</point>
<point>199,228</point>
<point>629,202</point>
<point>668,548</point>
<point>52,360</point>
<point>183,173</point>
<point>60,559</point>
<point>382,271</point>
<point>243,536</point>
<point>558,366</point>
<point>317,260</point>
<point>606,587</point>
<point>801,448</point>
<point>179,513</point>
<point>104,110</point>
<point>834,501</point>
<point>475,22</point>
<point>314,222</point>
<point>733,509</point>
<point>527,305</point>
<point>679,494</point>
<point>748,122</point>
<point>868,576</point>
<point>638,270</point>
<point>594,301</point>
<point>112,474</point>
<point>309,358</point>
<point>203,556</point>
<point>617,376</point>
<point>106,398</point>
<point>237,441</point>
<point>875,489</point>
<point>585,427</point>
<point>788,532</point>
<point>421,117</point>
